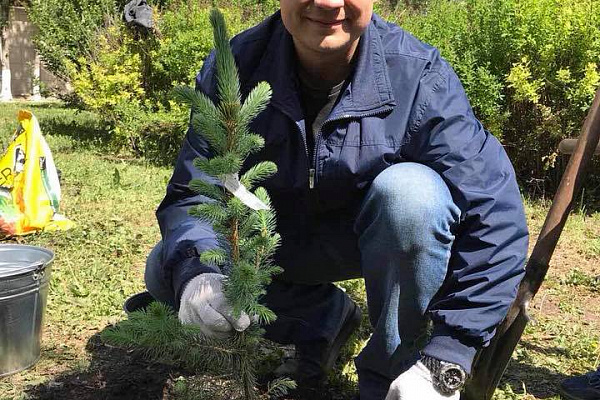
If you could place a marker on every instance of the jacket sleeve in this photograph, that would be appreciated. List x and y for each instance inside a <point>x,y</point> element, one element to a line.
<point>487,259</point>
<point>183,236</point>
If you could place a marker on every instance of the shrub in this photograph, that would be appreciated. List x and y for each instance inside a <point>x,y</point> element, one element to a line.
<point>108,82</point>
<point>530,68</point>
<point>161,134</point>
<point>127,74</point>
<point>183,42</point>
<point>66,28</point>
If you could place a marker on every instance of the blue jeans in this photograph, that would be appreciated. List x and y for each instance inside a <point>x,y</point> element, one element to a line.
<point>399,241</point>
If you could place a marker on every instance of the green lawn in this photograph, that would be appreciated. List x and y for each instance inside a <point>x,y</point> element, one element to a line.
<point>100,263</point>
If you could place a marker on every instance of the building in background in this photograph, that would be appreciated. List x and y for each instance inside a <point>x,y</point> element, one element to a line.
<point>29,78</point>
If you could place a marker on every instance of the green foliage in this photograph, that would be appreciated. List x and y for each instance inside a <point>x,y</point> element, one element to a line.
<point>157,333</point>
<point>108,82</point>
<point>255,103</point>
<point>184,41</point>
<point>250,233</point>
<point>113,80</point>
<point>127,75</point>
<point>66,29</point>
<point>4,13</point>
<point>530,67</point>
<point>280,387</point>
<point>228,163</point>
<point>207,189</point>
<point>258,173</point>
<point>252,11</point>
<point>161,134</point>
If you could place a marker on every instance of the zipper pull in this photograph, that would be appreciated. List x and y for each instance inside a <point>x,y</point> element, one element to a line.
<point>311,178</point>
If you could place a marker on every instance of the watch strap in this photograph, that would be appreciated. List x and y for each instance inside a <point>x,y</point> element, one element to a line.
<point>447,377</point>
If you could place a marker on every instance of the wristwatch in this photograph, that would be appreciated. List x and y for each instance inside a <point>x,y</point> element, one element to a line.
<point>447,377</point>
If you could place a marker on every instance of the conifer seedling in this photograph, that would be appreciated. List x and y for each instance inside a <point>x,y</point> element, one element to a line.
<point>244,223</point>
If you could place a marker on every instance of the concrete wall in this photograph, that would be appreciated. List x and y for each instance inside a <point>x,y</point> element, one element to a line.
<point>22,56</point>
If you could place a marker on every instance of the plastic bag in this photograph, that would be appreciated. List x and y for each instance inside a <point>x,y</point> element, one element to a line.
<point>29,185</point>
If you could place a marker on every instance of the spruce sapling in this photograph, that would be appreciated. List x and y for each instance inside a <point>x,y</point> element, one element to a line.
<point>244,225</point>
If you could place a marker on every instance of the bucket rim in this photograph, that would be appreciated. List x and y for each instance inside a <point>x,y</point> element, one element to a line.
<point>32,266</point>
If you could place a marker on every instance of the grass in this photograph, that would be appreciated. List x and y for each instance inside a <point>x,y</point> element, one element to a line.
<point>100,263</point>
<point>82,126</point>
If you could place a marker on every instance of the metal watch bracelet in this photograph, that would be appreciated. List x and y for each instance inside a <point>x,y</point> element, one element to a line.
<point>447,377</point>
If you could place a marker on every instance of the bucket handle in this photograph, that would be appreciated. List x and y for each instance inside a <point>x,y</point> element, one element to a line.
<point>39,272</point>
<point>37,269</point>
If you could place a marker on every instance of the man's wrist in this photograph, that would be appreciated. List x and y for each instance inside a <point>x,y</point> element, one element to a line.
<point>186,270</point>
<point>445,344</point>
<point>447,377</point>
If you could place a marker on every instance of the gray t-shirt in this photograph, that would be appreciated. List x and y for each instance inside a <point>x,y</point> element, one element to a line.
<point>318,99</point>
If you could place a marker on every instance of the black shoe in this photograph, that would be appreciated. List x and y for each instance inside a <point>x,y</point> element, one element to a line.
<point>582,387</point>
<point>311,363</point>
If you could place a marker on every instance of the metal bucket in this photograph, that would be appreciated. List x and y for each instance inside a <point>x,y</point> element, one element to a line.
<point>24,278</point>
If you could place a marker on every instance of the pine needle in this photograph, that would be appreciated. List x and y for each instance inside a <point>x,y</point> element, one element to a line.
<point>280,387</point>
<point>258,173</point>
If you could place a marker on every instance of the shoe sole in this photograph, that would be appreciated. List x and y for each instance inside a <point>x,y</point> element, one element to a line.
<point>350,325</point>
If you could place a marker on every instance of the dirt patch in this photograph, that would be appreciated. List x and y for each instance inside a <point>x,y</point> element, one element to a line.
<point>113,374</point>
<point>119,374</point>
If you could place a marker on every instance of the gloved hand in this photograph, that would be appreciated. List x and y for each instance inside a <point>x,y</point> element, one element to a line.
<point>203,303</point>
<point>416,384</point>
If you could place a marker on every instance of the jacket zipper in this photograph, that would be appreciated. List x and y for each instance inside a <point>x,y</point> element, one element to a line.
<point>312,172</point>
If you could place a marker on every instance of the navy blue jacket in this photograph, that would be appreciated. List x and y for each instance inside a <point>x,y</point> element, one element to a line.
<point>404,103</point>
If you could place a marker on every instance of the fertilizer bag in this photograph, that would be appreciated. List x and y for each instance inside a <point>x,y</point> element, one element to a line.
<point>29,185</point>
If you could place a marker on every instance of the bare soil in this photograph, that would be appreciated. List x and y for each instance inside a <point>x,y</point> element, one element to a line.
<point>113,374</point>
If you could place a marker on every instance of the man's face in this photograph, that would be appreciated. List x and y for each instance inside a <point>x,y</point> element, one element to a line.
<point>326,25</point>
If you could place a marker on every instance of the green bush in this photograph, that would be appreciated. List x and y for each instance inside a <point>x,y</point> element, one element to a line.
<point>184,41</point>
<point>66,28</point>
<point>127,75</point>
<point>109,82</point>
<point>161,135</point>
<point>530,68</point>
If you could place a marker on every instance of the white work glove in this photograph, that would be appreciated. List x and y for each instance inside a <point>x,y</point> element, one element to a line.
<point>416,384</point>
<point>203,303</point>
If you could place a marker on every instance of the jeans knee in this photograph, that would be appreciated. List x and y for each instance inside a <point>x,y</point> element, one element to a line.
<point>411,196</point>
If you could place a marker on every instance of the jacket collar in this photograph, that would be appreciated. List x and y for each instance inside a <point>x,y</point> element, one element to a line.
<point>368,92</point>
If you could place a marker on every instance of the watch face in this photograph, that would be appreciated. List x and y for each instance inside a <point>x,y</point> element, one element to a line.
<point>452,377</point>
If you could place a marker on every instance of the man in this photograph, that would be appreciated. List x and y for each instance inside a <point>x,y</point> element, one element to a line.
<point>383,173</point>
